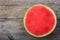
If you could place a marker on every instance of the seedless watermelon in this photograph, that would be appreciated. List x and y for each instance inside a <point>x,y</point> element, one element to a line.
<point>40,20</point>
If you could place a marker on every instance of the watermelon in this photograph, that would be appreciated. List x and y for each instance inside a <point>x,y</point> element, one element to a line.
<point>40,20</point>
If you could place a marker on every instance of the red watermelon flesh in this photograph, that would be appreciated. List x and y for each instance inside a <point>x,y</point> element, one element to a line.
<point>39,20</point>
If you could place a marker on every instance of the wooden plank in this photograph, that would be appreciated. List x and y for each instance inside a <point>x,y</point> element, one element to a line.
<point>16,29</point>
<point>19,11</point>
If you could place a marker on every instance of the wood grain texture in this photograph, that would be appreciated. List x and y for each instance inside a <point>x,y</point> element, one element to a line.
<point>11,19</point>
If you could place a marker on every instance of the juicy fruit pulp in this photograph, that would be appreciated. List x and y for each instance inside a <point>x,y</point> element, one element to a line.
<point>39,21</point>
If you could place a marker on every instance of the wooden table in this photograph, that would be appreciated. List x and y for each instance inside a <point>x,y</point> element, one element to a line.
<point>11,19</point>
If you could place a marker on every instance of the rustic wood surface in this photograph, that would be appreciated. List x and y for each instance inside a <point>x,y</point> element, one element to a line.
<point>11,19</point>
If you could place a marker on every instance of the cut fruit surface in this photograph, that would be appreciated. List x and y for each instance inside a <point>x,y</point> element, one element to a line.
<point>40,20</point>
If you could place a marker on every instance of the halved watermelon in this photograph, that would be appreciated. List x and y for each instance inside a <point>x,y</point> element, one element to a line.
<point>40,20</point>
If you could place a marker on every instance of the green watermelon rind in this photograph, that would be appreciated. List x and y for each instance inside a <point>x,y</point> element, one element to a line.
<point>49,31</point>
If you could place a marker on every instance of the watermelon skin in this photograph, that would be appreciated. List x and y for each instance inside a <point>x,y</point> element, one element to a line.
<point>34,30</point>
